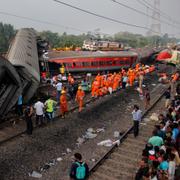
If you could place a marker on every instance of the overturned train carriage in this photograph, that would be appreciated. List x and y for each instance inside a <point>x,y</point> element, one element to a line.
<point>10,86</point>
<point>19,74</point>
<point>23,55</point>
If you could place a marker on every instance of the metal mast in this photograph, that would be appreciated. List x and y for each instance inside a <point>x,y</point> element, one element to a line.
<point>156,24</point>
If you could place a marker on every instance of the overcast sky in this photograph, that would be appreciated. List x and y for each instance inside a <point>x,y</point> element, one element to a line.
<point>66,19</point>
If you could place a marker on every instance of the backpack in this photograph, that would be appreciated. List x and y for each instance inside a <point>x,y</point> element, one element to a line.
<point>80,171</point>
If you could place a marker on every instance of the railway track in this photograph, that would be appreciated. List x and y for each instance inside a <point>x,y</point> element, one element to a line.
<point>120,162</point>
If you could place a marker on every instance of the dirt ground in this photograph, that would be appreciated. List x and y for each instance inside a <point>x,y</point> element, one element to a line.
<point>27,153</point>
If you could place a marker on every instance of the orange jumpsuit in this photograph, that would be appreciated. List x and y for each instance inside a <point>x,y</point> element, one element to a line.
<point>116,82</point>
<point>79,98</point>
<point>70,79</point>
<point>63,104</point>
<point>175,77</point>
<point>95,87</point>
<point>131,77</point>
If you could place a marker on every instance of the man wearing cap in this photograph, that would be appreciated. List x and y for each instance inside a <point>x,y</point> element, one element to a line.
<point>63,103</point>
<point>79,97</point>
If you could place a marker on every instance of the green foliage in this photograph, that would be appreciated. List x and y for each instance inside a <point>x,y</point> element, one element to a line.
<point>56,40</point>
<point>7,32</point>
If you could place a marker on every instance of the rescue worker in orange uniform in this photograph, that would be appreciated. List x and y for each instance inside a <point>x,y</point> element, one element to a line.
<point>95,87</point>
<point>131,77</point>
<point>63,103</point>
<point>98,77</point>
<point>175,77</point>
<point>79,97</point>
<point>116,82</point>
<point>70,79</point>
<point>137,66</point>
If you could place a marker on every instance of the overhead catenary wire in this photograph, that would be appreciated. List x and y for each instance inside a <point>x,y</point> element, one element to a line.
<point>143,13</point>
<point>40,21</point>
<point>103,17</point>
<point>48,23</point>
<point>163,14</point>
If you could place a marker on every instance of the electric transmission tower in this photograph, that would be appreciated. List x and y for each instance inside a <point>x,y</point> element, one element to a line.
<point>156,22</point>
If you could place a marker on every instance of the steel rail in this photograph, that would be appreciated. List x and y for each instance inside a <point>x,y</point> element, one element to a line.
<point>123,137</point>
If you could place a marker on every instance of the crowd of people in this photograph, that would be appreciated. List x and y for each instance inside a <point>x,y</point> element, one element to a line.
<point>160,157</point>
<point>108,83</point>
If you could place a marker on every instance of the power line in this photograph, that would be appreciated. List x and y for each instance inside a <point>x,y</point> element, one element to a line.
<point>141,12</point>
<point>147,4</point>
<point>41,21</point>
<point>49,23</point>
<point>102,16</point>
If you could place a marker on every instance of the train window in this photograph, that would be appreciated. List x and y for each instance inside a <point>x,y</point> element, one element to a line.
<point>109,62</point>
<point>121,62</point>
<point>101,63</point>
<point>95,63</point>
<point>77,64</point>
<point>67,64</point>
<point>85,64</point>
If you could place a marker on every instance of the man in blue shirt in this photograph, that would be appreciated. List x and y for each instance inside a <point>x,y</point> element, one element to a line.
<point>137,115</point>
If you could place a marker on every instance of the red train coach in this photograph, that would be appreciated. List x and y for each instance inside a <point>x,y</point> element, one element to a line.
<point>94,61</point>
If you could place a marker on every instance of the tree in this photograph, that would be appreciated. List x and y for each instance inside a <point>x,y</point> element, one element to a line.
<point>7,32</point>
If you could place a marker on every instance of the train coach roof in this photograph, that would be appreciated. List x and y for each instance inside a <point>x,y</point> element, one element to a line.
<point>23,51</point>
<point>86,54</point>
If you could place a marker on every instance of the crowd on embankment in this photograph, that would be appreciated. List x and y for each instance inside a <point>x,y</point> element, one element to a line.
<point>161,155</point>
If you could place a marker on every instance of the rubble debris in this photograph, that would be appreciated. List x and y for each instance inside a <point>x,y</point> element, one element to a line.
<point>93,160</point>
<point>154,117</point>
<point>90,135</point>
<point>68,150</point>
<point>107,143</point>
<point>116,134</point>
<point>35,174</point>
<point>100,130</point>
<point>80,141</point>
<point>59,159</point>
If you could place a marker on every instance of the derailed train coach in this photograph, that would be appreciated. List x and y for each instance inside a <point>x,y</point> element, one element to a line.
<point>10,86</point>
<point>22,70</point>
<point>23,55</point>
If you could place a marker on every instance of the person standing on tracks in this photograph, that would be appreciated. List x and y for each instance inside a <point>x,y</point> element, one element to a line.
<point>79,98</point>
<point>28,118</point>
<point>39,108</point>
<point>58,89</point>
<point>79,169</point>
<point>63,103</point>
<point>49,106</point>
<point>167,95</point>
<point>124,80</point>
<point>147,97</point>
<point>137,115</point>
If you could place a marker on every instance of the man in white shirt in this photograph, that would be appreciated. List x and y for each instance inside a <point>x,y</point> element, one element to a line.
<point>39,109</point>
<point>59,89</point>
<point>137,115</point>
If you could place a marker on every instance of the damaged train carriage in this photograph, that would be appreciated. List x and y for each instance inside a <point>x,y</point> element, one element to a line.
<point>23,55</point>
<point>19,74</point>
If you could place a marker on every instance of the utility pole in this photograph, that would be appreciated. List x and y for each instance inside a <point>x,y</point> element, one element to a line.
<point>156,24</point>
